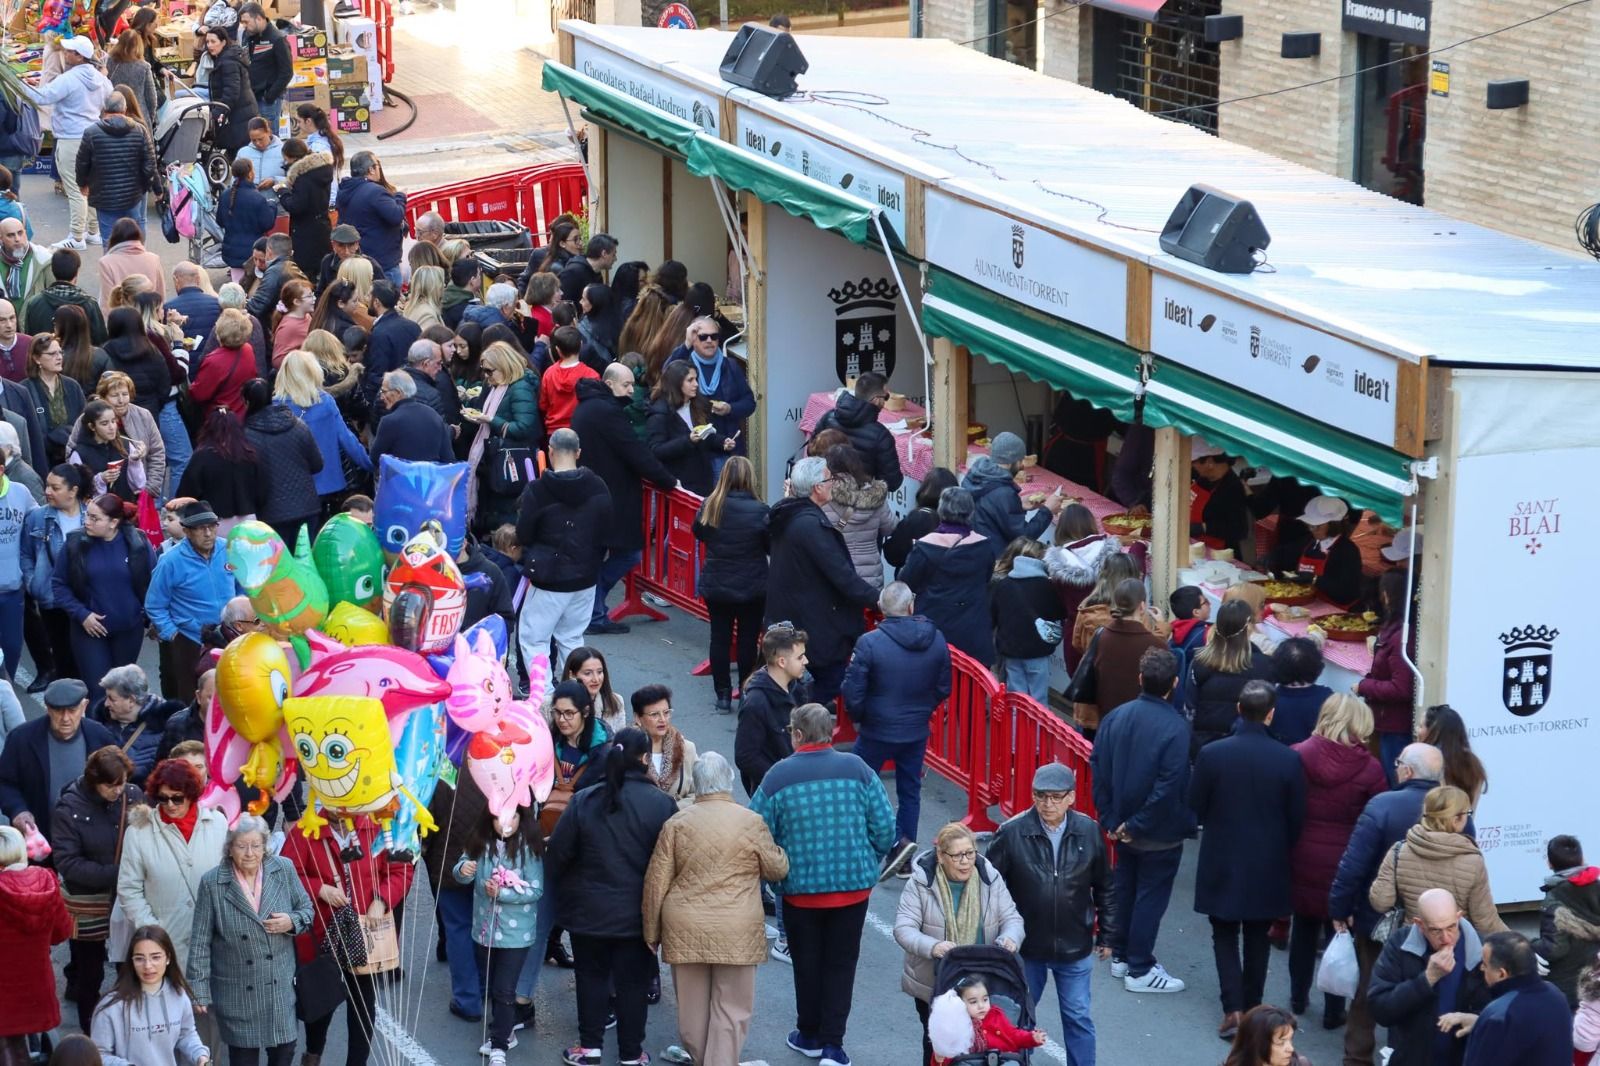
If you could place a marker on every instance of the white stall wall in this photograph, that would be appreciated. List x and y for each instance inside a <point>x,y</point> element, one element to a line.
<point>1523,589</point>
<point>699,239</point>
<point>806,326</point>
<point>634,176</point>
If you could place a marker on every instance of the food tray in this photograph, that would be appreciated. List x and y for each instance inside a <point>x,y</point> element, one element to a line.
<point>1118,524</point>
<point>1352,636</point>
<point>1278,592</point>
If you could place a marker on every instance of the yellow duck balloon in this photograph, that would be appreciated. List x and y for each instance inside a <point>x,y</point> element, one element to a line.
<point>252,684</point>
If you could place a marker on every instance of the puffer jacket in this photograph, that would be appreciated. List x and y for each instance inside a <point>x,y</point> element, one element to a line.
<point>1074,569</point>
<point>1389,686</point>
<point>735,569</point>
<point>1340,779</point>
<point>84,830</point>
<point>860,510</point>
<point>559,523</point>
<point>158,880</point>
<point>1059,894</point>
<point>1215,695</point>
<point>305,199</point>
<point>139,738</point>
<point>138,358</point>
<point>289,460</point>
<point>898,674</point>
<point>1429,858</point>
<point>597,857</point>
<point>919,923</point>
<point>858,420</point>
<point>118,164</point>
<point>32,920</point>
<point>1569,926</point>
<point>702,890</point>
<point>999,515</point>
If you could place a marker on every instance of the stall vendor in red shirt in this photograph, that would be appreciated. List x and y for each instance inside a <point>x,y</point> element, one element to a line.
<point>1219,514</point>
<point>1331,559</point>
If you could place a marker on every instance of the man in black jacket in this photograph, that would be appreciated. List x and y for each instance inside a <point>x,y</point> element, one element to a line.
<point>345,240</point>
<point>31,777</point>
<point>765,702</point>
<point>271,68</point>
<point>391,338</point>
<point>560,524</point>
<point>622,460</point>
<point>425,367</point>
<point>1429,967</point>
<point>856,416</point>
<point>411,429</point>
<point>1249,792</point>
<point>1054,861</point>
<point>1141,789</point>
<point>263,300</point>
<point>812,581</point>
<point>116,166</point>
<point>580,273</point>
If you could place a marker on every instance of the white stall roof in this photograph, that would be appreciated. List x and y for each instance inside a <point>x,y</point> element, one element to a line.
<point>1404,279</point>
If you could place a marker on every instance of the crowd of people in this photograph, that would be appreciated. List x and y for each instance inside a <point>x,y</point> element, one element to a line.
<point>145,420</point>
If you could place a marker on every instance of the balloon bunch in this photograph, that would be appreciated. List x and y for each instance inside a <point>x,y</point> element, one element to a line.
<point>361,704</point>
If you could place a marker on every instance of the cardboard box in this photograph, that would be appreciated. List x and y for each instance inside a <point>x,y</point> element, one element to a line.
<point>309,72</point>
<point>355,120</point>
<point>283,9</point>
<point>350,98</point>
<point>313,94</point>
<point>309,43</point>
<point>347,66</point>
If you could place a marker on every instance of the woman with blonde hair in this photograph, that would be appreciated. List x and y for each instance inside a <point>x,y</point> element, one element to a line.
<point>357,270</point>
<point>1341,776</point>
<point>454,249</point>
<point>1437,853</point>
<point>509,410</point>
<point>1220,669</point>
<point>299,388</point>
<point>422,303</point>
<point>123,292</point>
<point>340,375</point>
<point>291,325</point>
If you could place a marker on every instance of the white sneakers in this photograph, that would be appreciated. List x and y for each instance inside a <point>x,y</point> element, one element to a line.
<point>1119,968</point>
<point>780,951</point>
<point>75,243</point>
<point>1157,980</point>
<point>489,1051</point>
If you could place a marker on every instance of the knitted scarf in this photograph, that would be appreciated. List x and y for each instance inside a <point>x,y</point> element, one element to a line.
<point>710,371</point>
<point>963,925</point>
<point>671,763</point>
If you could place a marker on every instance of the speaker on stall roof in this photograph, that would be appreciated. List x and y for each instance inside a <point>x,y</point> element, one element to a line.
<point>1218,231</point>
<point>764,61</point>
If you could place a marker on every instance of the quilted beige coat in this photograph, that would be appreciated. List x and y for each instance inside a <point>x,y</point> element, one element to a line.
<point>1433,859</point>
<point>702,892</point>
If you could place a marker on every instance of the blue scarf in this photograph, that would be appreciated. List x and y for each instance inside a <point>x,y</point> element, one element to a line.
<point>710,373</point>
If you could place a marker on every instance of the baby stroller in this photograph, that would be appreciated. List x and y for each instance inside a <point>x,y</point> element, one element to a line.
<point>1003,975</point>
<point>186,132</point>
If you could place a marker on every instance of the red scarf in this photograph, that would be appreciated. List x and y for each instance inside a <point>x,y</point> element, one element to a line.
<point>186,823</point>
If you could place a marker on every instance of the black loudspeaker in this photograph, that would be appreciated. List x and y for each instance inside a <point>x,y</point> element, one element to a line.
<point>1218,231</point>
<point>764,61</point>
<point>1508,94</point>
<point>1221,28</point>
<point>1301,45</point>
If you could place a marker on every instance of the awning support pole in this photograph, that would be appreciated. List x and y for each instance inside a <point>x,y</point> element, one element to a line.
<point>730,223</point>
<point>1405,618</point>
<point>905,297</point>
<point>572,131</point>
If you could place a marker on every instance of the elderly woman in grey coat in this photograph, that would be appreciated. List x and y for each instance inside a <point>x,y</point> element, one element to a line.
<point>241,951</point>
<point>954,897</point>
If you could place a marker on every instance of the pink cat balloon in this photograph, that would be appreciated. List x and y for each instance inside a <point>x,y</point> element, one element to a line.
<point>510,756</point>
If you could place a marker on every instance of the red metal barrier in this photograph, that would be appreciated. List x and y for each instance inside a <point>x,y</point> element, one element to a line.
<point>670,566</point>
<point>1024,736</point>
<point>532,196</point>
<point>958,748</point>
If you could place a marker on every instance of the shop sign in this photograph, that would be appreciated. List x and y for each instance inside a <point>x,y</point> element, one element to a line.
<point>1522,586</point>
<point>1405,21</point>
<point>647,86</point>
<point>677,17</point>
<point>821,161</point>
<point>1027,264</point>
<point>863,327</point>
<point>1439,78</point>
<point>1324,377</point>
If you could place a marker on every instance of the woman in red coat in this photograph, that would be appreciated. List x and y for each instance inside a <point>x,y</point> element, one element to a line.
<point>32,920</point>
<point>1341,776</point>
<point>371,885</point>
<point>1389,685</point>
<point>225,369</point>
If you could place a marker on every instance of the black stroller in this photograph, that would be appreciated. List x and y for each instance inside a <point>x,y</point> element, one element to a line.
<point>1002,973</point>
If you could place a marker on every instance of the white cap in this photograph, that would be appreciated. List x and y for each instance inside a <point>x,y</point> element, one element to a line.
<point>1407,542</point>
<point>79,44</point>
<point>1321,510</point>
<point>1200,448</point>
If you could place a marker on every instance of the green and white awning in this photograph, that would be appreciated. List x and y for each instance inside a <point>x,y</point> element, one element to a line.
<point>1107,374</point>
<point>708,157</point>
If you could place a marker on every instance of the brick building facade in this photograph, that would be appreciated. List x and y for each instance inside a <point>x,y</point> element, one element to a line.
<point>1398,129</point>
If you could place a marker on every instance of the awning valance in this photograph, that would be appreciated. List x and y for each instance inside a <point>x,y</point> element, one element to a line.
<point>1106,373</point>
<point>1144,10</point>
<point>708,157</point>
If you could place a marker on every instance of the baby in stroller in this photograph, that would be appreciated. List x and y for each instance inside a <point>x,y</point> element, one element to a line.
<point>966,1026</point>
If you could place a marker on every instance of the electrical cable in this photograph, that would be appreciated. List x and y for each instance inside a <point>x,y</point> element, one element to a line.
<point>1376,66</point>
<point>396,94</point>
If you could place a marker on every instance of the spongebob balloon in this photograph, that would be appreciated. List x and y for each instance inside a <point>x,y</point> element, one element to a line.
<point>252,684</point>
<point>347,756</point>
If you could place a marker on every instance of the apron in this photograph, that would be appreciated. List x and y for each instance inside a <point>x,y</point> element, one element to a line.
<point>1199,497</point>
<point>1316,564</point>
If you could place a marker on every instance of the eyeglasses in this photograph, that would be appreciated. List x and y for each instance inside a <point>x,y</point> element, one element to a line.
<point>249,849</point>
<point>961,856</point>
<point>562,712</point>
<point>172,801</point>
<point>709,336</point>
<point>1051,797</point>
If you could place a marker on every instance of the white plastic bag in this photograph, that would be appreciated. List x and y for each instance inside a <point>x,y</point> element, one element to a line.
<point>1339,973</point>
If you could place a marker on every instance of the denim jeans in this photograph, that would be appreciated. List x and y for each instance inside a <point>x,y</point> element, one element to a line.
<point>11,604</point>
<point>545,919</point>
<point>175,436</point>
<point>614,569</point>
<point>1143,887</point>
<point>907,759</point>
<point>106,219</point>
<point>393,274</point>
<point>1030,677</point>
<point>15,163</point>
<point>466,980</point>
<point>1072,996</point>
<point>501,965</point>
<point>272,113</point>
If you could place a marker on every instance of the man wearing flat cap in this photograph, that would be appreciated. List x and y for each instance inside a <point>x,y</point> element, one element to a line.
<point>188,590</point>
<point>1054,861</point>
<point>44,756</point>
<point>346,244</point>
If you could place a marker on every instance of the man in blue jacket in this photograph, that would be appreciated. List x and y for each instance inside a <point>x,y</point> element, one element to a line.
<point>377,210</point>
<point>1527,1022</point>
<point>47,754</point>
<point>388,344</point>
<point>992,480</point>
<point>1141,788</point>
<point>198,307</point>
<point>898,674</point>
<point>188,590</point>
<point>1383,824</point>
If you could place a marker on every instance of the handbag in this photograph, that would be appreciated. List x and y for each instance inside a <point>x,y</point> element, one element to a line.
<point>505,466</point>
<point>318,988</point>
<point>381,943</point>
<point>1084,687</point>
<point>1395,916</point>
<point>561,794</point>
<point>344,942</point>
<point>169,222</point>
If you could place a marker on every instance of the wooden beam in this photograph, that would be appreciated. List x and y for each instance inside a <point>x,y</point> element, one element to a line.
<point>666,207</point>
<point>950,405</point>
<point>1410,407</point>
<point>755,317</point>
<point>566,48</point>
<point>599,161</point>
<point>916,218</point>
<point>1169,504</point>
<point>1439,508</point>
<point>728,120</point>
<point>1138,324</point>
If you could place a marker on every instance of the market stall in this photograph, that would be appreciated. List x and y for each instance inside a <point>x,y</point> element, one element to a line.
<point>1025,219</point>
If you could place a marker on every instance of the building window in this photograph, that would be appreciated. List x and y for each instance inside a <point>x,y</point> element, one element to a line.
<point>1391,116</point>
<point>1014,32</point>
<point>1161,65</point>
